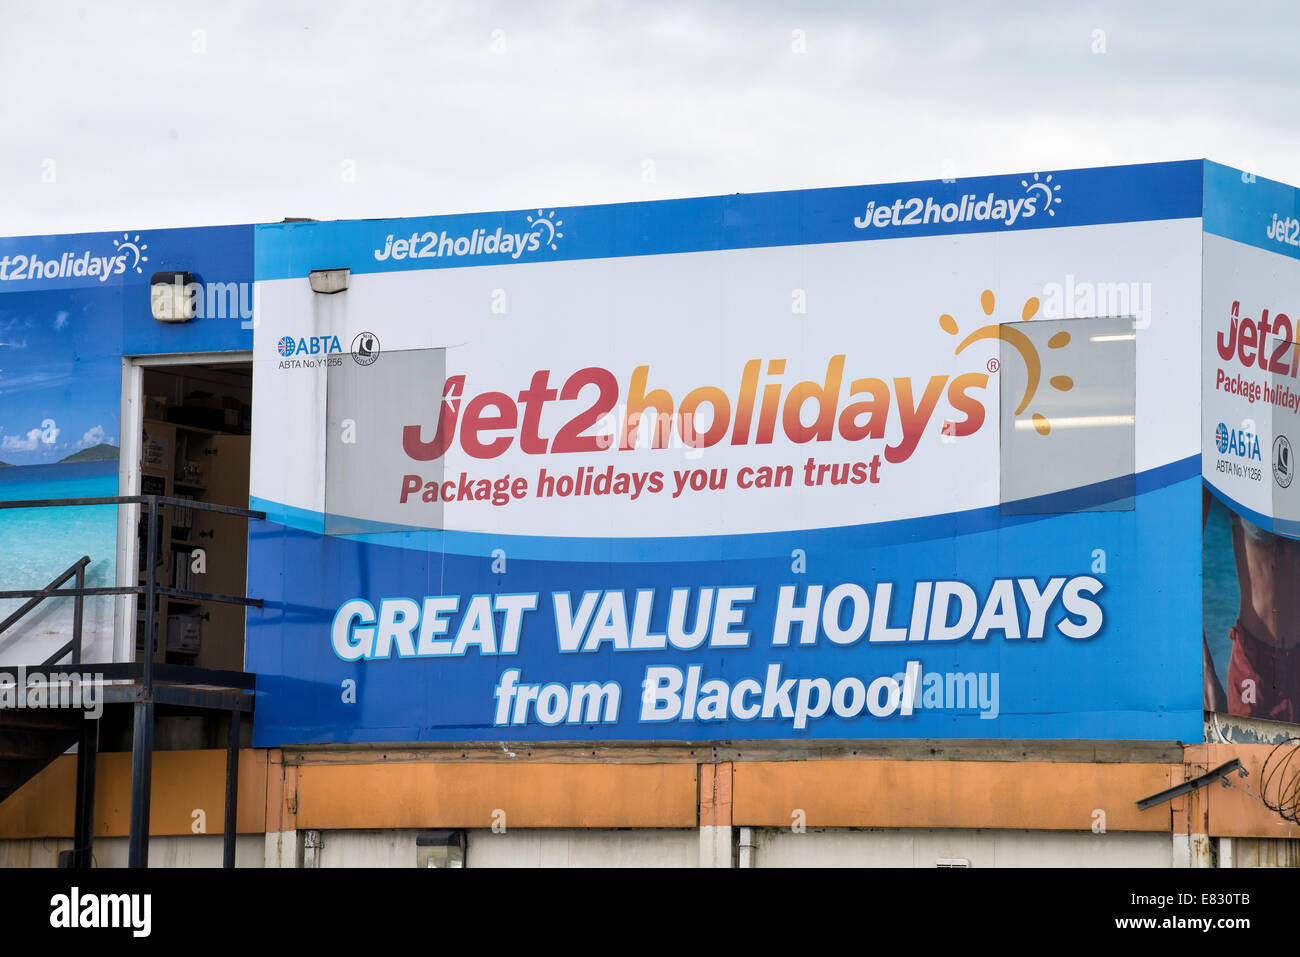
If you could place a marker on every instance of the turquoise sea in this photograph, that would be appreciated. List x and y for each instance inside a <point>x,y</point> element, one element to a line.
<point>36,544</point>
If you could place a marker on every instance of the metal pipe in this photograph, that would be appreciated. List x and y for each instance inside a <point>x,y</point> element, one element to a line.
<point>173,674</point>
<point>748,847</point>
<point>55,658</point>
<point>78,605</point>
<point>42,593</point>
<point>141,780</point>
<point>84,828</point>
<point>129,590</point>
<point>142,732</point>
<point>59,502</point>
<point>210,596</point>
<point>1168,794</point>
<point>232,792</point>
<point>151,599</point>
<point>134,500</point>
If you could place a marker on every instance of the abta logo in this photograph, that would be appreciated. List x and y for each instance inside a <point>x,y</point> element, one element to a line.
<point>285,346</point>
<point>1239,442</point>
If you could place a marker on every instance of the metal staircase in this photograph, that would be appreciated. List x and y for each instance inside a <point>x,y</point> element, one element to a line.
<point>31,738</point>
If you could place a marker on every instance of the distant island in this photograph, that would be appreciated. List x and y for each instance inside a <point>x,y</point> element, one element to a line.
<point>96,453</point>
<point>5,465</point>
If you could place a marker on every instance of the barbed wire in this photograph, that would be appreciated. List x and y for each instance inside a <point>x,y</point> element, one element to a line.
<point>1280,777</point>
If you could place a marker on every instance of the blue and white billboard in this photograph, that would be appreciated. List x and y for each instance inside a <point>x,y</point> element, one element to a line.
<point>849,463</point>
<point>1250,432</point>
<point>71,306</point>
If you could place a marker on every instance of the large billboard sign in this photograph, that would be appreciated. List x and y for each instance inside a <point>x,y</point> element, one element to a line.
<point>71,306</point>
<point>905,461</point>
<point>1251,432</point>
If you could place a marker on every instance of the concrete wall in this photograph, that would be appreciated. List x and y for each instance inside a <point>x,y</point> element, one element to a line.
<point>1258,852</point>
<point>572,848</point>
<point>924,847</point>
<point>558,847</point>
<point>681,847</point>
<point>197,850</point>
<point>820,847</point>
<point>816,847</point>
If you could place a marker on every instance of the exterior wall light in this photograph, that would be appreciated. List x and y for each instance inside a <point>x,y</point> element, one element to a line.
<point>329,281</point>
<point>173,296</point>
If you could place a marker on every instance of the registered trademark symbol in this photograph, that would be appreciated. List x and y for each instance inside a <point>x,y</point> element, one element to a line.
<point>993,365</point>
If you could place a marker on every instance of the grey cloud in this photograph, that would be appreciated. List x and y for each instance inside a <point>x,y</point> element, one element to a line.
<point>435,116</point>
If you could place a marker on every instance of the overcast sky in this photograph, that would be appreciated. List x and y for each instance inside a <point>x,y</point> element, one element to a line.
<point>133,114</point>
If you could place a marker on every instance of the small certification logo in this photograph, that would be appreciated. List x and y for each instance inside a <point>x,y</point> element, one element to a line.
<point>286,346</point>
<point>365,348</point>
<point>1221,438</point>
<point>1283,462</point>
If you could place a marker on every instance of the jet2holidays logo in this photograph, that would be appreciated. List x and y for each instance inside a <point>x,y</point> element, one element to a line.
<point>541,231</point>
<point>126,257</point>
<point>1037,195</point>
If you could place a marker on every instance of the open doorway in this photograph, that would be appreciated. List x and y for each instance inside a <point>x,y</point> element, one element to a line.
<point>188,419</point>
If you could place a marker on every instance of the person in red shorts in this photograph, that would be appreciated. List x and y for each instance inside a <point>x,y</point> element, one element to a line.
<point>1264,668</point>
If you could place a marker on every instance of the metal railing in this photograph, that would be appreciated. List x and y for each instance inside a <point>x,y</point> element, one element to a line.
<point>76,570</point>
<point>145,671</point>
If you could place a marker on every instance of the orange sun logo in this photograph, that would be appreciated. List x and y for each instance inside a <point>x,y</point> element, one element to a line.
<point>1022,344</point>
